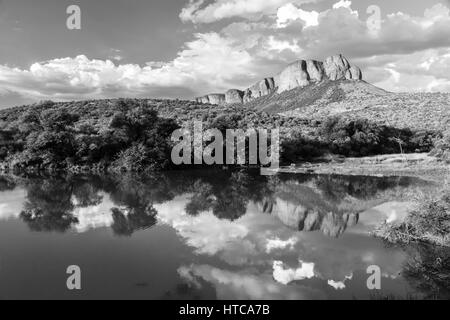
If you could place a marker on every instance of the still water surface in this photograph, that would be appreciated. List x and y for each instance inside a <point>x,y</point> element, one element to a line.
<point>209,235</point>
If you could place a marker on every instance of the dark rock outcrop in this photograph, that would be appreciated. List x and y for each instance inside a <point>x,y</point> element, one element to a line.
<point>298,74</point>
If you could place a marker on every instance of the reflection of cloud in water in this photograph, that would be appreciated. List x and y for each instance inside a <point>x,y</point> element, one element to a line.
<point>205,232</point>
<point>286,276</point>
<point>245,243</point>
<point>11,204</point>
<point>94,217</point>
<point>339,285</point>
<point>244,285</point>
<point>276,243</point>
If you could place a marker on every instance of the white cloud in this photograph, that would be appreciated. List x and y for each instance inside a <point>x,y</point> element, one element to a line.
<point>289,13</point>
<point>208,62</point>
<point>342,4</point>
<point>424,71</point>
<point>246,51</point>
<point>223,9</point>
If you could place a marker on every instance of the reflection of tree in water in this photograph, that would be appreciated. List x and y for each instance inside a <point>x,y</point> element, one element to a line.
<point>231,202</point>
<point>202,200</point>
<point>87,195</point>
<point>49,206</point>
<point>51,201</point>
<point>6,184</point>
<point>228,196</point>
<point>126,222</point>
<point>138,191</point>
<point>135,197</point>
<point>338,187</point>
<point>428,270</point>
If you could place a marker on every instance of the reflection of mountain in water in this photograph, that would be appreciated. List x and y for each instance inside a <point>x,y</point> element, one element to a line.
<point>304,203</point>
<point>302,208</point>
<point>328,204</point>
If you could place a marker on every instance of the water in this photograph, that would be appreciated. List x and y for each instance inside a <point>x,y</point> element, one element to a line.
<point>209,235</point>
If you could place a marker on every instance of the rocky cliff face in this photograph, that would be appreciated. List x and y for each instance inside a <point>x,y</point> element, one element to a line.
<point>299,74</point>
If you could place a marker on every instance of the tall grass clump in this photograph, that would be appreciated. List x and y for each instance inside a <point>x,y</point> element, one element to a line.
<point>428,222</point>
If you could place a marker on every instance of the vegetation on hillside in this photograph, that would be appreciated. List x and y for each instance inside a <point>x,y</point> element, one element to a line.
<point>442,147</point>
<point>134,135</point>
<point>128,136</point>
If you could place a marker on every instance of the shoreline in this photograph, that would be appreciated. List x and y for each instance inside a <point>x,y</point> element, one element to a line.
<point>421,166</point>
<point>416,165</point>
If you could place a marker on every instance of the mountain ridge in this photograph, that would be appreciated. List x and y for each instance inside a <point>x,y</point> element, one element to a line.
<point>298,74</point>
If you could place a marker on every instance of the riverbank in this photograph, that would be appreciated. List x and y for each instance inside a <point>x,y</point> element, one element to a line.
<point>427,222</point>
<point>419,165</point>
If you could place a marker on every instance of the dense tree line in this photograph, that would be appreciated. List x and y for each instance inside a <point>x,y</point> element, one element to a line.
<point>134,135</point>
<point>129,136</point>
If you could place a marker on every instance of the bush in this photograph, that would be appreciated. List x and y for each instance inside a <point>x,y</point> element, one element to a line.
<point>94,134</point>
<point>298,147</point>
<point>442,147</point>
<point>429,222</point>
<point>359,138</point>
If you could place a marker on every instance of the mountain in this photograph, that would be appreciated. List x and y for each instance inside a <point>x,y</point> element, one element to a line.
<point>313,90</point>
<point>299,74</point>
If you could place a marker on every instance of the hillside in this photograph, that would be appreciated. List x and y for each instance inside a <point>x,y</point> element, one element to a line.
<point>359,99</point>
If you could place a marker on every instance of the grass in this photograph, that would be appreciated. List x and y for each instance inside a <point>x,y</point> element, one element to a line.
<point>428,222</point>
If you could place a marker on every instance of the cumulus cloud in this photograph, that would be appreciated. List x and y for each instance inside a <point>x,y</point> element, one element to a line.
<point>402,39</point>
<point>342,4</point>
<point>408,53</point>
<point>209,61</point>
<point>223,9</point>
<point>289,13</point>
<point>424,71</point>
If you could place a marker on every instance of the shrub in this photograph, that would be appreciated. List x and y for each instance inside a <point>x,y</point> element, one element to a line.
<point>429,222</point>
<point>442,147</point>
<point>298,147</point>
<point>363,138</point>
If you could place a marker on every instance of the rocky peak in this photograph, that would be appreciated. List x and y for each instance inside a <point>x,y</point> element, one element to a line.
<point>298,74</point>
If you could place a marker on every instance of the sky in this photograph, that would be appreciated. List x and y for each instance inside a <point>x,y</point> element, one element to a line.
<point>186,48</point>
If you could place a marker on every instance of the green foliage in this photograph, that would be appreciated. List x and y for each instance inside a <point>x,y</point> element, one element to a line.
<point>361,137</point>
<point>429,222</point>
<point>442,147</point>
<point>298,147</point>
<point>125,133</point>
<point>133,134</point>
